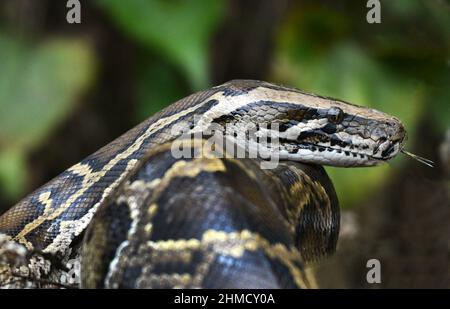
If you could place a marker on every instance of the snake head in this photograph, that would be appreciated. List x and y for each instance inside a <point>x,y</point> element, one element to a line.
<point>311,128</point>
<point>341,135</point>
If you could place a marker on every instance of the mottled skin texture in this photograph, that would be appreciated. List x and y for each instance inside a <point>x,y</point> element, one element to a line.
<point>212,223</point>
<point>51,221</point>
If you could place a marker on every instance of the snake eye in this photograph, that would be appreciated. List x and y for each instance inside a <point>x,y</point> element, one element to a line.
<point>335,115</point>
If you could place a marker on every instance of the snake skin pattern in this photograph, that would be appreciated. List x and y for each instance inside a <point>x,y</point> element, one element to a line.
<point>217,222</point>
<point>236,225</point>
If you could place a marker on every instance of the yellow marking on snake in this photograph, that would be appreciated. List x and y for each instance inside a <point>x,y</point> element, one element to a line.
<point>304,196</point>
<point>190,169</point>
<point>91,178</point>
<point>175,280</point>
<point>81,169</point>
<point>235,244</point>
<point>44,199</point>
<point>310,274</point>
<point>262,93</point>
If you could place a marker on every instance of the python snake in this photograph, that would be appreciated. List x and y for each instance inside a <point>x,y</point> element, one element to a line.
<point>135,215</point>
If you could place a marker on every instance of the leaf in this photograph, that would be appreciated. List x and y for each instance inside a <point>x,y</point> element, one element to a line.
<point>13,173</point>
<point>438,99</point>
<point>39,85</point>
<point>178,30</point>
<point>158,86</point>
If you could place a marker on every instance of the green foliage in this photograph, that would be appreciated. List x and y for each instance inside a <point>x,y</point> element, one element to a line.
<point>13,172</point>
<point>336,62</point>
<point>178,30</point>
<point>438,101</point>
<point>39,85</point>
<point>157,87</point>
<point>347,73</point>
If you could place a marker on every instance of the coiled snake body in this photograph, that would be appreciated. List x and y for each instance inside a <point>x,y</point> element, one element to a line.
<point>138,216</point>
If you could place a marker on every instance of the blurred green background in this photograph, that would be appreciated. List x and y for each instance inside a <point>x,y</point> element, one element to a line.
<point>68,89</point>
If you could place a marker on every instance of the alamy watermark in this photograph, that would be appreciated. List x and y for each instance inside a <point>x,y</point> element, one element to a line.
<point>374,273</point>
<point>72,276</point>
<point>74,13</point>
<point>236,140</point>
<point>374,14</point>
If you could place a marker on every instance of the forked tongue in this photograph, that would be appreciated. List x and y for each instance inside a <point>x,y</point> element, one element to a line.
<point>418,158</point>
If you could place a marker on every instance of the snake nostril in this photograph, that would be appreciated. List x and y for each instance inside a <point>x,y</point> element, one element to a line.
<point>388,150</point>
<point>380,142</point>
<point>400,136</point>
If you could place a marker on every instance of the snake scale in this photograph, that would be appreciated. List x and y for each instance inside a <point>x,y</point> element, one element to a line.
<point>136,216</point>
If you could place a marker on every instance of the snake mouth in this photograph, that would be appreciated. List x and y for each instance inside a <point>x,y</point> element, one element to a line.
<point>387,149</point>
<point>347,152</point>
<point>328,155</point>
